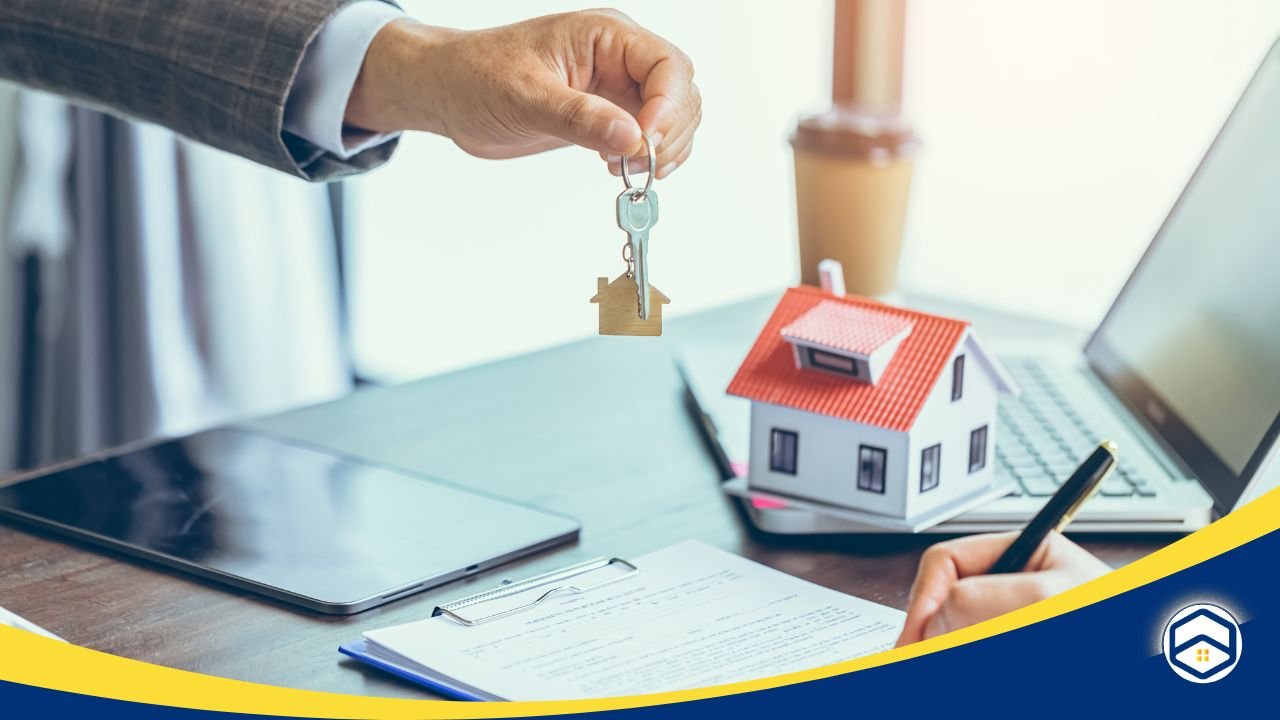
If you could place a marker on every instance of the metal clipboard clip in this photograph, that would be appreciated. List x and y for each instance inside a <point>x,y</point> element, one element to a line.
<point>560,580</point>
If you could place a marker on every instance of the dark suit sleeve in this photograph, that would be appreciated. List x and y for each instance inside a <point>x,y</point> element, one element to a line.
<point>216,71</point>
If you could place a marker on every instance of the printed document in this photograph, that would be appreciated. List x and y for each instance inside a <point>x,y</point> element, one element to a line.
<point>693,616</point>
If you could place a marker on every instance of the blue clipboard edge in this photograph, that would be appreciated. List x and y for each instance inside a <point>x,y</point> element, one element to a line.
<point>358,650</point>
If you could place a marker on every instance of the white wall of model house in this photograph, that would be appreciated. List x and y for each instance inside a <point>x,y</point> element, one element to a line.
<point>827,447</point>
<point>948,423</point>
<point>827,458</point>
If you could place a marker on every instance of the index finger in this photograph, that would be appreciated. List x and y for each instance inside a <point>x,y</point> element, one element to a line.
<point>665,76</point>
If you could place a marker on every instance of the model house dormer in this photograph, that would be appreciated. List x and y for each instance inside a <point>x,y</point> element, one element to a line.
<point>850,341</point>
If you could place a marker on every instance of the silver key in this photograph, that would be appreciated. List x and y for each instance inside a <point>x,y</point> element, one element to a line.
<point>637,212</point>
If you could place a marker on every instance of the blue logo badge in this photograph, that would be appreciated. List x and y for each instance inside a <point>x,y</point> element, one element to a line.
<point>1202,643</point>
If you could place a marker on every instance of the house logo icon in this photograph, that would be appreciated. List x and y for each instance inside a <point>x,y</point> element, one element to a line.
<point>1202,643</point>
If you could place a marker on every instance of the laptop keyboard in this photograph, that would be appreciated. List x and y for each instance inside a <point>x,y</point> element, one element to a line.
<point>1043,437</point>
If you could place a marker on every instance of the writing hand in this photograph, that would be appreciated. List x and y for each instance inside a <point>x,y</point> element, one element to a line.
<point>951,590</point>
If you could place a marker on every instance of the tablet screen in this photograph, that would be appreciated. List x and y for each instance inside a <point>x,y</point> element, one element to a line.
<point>294,521</point>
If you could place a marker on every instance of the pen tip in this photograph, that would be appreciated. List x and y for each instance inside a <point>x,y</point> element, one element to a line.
<point>1110,446</point>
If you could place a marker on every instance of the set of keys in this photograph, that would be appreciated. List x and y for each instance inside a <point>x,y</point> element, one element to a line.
<point>630,305</point>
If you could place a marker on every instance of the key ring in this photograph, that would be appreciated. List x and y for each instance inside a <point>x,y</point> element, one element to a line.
<point>653,163</point>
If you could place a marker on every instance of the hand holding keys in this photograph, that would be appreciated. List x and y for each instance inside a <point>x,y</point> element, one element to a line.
<point>637,214</point>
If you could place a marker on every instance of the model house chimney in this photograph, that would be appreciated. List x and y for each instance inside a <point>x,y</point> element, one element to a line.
<point>831,276</point>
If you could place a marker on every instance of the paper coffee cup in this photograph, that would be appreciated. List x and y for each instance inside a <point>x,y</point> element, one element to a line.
<point>853,179</point>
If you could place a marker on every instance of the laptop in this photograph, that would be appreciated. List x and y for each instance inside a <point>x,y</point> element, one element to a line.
<point>1183,372</point>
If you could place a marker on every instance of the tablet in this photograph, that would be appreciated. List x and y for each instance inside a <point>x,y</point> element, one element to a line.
<point>294,522</point>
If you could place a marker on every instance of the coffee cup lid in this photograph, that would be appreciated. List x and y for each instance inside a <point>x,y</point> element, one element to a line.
<point>848,132</point>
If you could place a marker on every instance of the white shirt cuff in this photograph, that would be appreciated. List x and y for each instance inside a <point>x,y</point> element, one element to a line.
<point>317,102</point>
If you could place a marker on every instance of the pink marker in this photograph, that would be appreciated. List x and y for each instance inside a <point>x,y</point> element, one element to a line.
<point>763,502</point>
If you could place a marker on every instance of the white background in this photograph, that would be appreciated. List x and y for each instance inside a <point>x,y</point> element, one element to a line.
<point>1057,135</point>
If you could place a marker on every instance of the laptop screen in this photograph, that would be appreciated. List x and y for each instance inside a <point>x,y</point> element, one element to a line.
<point>1192,343</point>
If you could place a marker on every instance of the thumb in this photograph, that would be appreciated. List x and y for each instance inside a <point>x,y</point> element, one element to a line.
<point>584,119</point>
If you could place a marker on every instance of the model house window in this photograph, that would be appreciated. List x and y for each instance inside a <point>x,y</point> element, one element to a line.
<point>957,378</point>
<point>978,449</point>
<point>782,451</point>
<point>929,467</point>
<point>832,362</point>
<point>871,468</point>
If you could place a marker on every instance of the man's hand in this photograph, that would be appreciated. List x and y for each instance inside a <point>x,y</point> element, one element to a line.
<point>591,78</point>
<point>951,591</point>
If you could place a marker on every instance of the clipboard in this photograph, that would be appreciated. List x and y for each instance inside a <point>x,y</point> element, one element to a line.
<point>556,582</point>
<point>359,650</point>
<point>470,611</point>
<point>694,618</point>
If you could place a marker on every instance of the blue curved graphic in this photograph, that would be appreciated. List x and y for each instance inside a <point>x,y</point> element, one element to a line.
<point>1104,660</point>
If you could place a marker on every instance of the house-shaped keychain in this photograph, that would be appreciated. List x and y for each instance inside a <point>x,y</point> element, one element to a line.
<point>619,311</point>
<point>883,415</point>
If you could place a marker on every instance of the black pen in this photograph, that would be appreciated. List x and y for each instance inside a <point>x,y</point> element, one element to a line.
<point>1057,513</point>
<point>707,429</point>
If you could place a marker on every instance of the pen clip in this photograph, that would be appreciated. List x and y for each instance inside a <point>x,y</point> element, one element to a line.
<point>1070,514</point>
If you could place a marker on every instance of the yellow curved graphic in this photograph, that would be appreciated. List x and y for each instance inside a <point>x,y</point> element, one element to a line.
<point>40,662</point>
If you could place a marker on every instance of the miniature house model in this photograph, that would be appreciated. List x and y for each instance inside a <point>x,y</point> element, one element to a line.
<point>871,407</point>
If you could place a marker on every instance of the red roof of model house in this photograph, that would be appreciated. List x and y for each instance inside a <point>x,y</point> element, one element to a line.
<point>769,373</point>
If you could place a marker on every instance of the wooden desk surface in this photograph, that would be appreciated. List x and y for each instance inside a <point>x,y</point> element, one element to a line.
<point>595,429</point>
